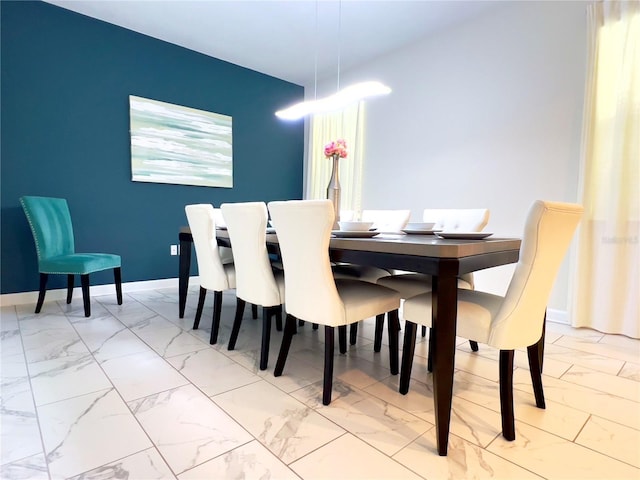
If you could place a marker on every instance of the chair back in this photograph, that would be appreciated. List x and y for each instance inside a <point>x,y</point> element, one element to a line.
<point>50,223</point>
<point>202,223</point>
<point>387,220</point>
<point>548,232</point>
<point>457,219</point>
<point>247,226</point>
<point>304,231</point>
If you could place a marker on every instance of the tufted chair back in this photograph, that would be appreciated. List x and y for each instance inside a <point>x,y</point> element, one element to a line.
<point>457,219</point>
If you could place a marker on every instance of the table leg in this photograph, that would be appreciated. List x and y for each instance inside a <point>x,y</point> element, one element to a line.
<point>183,272</point>
<point>444,313</point>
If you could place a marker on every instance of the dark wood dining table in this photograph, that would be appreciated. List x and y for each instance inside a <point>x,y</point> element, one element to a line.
<point>444,260</point>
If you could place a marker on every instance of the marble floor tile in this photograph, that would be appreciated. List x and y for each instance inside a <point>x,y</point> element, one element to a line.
<point>612,384</point>
<point>380,424</point>
<point>211,371</point>
<point>144,465</point>
<point>166,338</point>
<point>8,318</point>
<point>53,338</point>
<point>464,460</point>
<point>287,427</point>
<point>557,418</point>
<point>247,461</point>
<point>624,353</point>
<point>88,431</point>
<point>169,405</point>
<point>66,377</point>
<point>614,440</point>
<point>631,371</point>
<point>29,468</point>
<point>350,457</point>
<point>19,434</point>
<point>584,399</point>
<point>187,427</point>
<point>554,457</point>
<point>142,374</point>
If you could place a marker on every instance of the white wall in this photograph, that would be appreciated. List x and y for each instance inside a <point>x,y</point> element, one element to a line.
<point>484,114</point>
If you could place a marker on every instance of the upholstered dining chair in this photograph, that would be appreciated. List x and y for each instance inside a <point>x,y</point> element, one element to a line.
<point>50,222</point>
<point>311,292</point>
<point>515,320</point>
<point>389,221</point>
<point>214,275</point>
<point>256,281</point>
<point>449,220</point>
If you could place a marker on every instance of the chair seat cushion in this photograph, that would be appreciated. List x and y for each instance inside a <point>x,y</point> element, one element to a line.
<point>412,284</point>
<point>363,299</point>
<point>79,263</point>
<point>358,272</point>
<point>475,312</point>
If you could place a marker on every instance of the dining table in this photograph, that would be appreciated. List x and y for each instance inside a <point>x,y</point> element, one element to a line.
<point>444,259</point>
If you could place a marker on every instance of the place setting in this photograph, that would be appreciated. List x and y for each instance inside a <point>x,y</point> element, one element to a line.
<point>355,229</point>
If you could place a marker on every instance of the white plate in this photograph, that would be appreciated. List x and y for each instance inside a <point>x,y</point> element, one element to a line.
<point>353,234</point>
<point>464,235</point>
<point>410,231</point>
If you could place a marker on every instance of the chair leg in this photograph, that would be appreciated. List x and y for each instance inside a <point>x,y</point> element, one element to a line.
<point>215,324</point>
<point>327,383</point>
<point>430,354</point>
<point>408,349</point>
<point>506,394</point>
<point>353,333</point>
<point>474,345</point>
<point>254,311</point>
<point>424,331</point>
<point>535,369</point>
<point>267,313</point>
<point>541,342</point>
<point>117,276</point>
<point>201,297</point>
<point>43,290</point>
<point>314,326</point>
<point>377,339</point>
<point>70,279</point>
<point>393,323</point>
<point>236,323</point>
<point>279,318</point>
<point>342,338</point>
<point>84,283</point>
<point>289,331</point>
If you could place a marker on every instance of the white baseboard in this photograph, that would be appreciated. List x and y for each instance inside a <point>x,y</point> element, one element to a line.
<point>558,316</point>
<point>9,299</point>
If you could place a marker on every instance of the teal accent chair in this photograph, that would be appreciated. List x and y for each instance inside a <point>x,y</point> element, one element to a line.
<point>50,223</point>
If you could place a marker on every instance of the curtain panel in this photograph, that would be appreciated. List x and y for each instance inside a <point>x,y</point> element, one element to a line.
<point>606,287</point>
<point>349,125</point>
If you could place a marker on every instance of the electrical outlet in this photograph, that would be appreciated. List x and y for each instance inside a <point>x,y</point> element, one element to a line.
<point>174,249</point>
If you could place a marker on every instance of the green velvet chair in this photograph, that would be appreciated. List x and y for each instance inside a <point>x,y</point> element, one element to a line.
<point>50,223</point>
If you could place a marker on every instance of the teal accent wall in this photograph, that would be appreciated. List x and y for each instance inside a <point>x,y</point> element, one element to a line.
<point>66,81</point>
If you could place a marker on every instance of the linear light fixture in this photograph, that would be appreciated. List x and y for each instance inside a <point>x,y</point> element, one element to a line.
<point>341,98</point>
<point>346,96</point>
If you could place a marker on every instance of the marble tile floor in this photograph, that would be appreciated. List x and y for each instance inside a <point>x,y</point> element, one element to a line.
<point>133,392</point>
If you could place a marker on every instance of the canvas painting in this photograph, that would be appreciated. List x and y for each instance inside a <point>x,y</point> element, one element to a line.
<point>179,145</point>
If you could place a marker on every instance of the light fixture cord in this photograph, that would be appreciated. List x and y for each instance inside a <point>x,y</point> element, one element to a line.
<point>315,67</point>
<point>339,40</point>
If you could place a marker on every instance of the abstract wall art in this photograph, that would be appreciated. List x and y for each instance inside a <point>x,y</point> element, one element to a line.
<point>179,145</point>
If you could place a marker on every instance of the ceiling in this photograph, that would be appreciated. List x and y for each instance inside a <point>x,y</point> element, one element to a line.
<point>282,38</point>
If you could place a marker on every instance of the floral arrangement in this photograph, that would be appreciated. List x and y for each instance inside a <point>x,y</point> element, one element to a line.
<point>339,147</point>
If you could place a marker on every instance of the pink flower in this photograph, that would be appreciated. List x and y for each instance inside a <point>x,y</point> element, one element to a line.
<point>339,147</point>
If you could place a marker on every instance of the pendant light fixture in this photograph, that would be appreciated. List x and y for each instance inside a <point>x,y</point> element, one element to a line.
<point>341,98</point>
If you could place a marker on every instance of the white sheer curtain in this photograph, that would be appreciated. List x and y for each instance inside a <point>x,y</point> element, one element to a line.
<point>327,127</point>
<point>608,267</point>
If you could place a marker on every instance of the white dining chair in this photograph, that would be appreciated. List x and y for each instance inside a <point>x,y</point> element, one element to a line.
<point>256,281</point>
<point>311,292</point>
<point>388,221</point>
<point>515,320</point>
<point>449,220</point>
<point>214,275</point>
